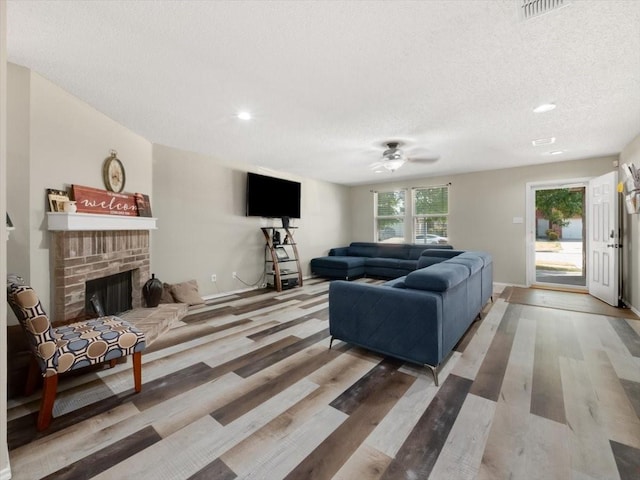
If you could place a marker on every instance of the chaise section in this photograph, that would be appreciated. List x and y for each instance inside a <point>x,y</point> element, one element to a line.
<point>338,267</point>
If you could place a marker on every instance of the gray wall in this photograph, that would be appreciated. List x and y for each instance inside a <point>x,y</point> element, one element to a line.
<point>202,227</point>
<point>482,206</point>
<point>631,239</point>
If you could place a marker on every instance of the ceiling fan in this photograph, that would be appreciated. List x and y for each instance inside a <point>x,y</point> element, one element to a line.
<point>393,158</point>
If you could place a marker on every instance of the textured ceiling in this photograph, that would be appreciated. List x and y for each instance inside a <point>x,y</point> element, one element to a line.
<point>329,82</point>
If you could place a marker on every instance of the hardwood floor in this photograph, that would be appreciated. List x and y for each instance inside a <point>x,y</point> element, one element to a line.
<point>247,388</point>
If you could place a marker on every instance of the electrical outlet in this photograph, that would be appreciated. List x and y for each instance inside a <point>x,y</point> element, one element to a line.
<point>214,277</point>
<point>234,275</point>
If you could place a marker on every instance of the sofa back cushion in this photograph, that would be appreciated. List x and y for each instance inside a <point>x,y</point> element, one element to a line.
<point>416,250</point>
<point>400,252</point>
<point>474,264</point>
<point>363,249</point>
<point>437,278</point>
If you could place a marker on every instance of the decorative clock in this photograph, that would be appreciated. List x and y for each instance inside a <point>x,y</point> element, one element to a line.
<point>113,173</point>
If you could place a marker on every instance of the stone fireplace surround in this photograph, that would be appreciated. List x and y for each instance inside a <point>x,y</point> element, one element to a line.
<point>79,256</point>
<point>88,246</point>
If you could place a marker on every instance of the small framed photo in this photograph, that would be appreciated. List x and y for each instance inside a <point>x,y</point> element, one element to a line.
<point>143,204</point>
<point>281,253</point>
<point>57,199</point>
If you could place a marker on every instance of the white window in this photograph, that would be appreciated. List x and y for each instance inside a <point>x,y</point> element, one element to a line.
<point>430,214</point>
<point>390,216</point>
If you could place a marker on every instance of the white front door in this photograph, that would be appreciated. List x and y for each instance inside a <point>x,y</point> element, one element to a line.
<point>604,238</point>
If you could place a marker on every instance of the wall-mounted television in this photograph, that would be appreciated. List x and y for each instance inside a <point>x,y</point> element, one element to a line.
<point>272,197</point>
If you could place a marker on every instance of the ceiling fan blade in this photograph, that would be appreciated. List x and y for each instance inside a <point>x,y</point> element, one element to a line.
<point>424,160</point>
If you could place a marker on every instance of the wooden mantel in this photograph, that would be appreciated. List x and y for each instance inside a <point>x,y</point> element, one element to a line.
<point>62,221</point>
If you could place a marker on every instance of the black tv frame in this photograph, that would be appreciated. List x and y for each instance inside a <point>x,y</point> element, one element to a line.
<point>272,197</point>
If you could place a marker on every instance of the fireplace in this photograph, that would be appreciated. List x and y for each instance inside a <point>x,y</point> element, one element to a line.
<point>108,295</point>
<point>82,256</point>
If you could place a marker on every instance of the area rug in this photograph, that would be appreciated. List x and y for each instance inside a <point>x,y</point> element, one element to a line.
<point>576,302</point>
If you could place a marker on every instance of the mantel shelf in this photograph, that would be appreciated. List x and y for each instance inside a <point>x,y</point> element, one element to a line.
<point>62,221</point>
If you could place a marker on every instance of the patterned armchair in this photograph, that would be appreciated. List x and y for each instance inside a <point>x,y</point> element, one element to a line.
<point>69,347</point>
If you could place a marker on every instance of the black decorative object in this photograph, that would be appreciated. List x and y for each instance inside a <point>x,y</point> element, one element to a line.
<point>276,237</point>
<point>285,222</point>
<point>152,291</point>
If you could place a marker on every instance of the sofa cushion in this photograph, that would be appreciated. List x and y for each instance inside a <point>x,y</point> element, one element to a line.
<point>337,262</point>
<point>390,263</point>
<point>363,250</point>
<point>438,278</point>
<point>394,251</point>
<point>416,250</point>
<point>425,261</point>
<point>395,283</point>
<point>474,264</point>
<point>485,257</point>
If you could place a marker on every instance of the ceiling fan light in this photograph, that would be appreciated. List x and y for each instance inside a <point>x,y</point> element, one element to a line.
<point>393,164</point>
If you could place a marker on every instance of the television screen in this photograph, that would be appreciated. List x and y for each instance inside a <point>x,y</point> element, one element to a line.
<point>272,197</point>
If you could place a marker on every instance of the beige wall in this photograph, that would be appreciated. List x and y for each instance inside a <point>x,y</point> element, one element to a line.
<point>5,470</point>
<point>66,142</point>
<point>482,206</point>
<point>19,84</point>
<point>202,227</point>
<point>631,239</point>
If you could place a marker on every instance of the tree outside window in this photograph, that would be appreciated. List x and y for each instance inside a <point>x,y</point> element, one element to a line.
<point>431,215</point>
<point>390,213</point>
<point>558,206</point>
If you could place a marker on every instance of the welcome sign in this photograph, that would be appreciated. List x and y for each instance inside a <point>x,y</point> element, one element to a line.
<point>94,200</point>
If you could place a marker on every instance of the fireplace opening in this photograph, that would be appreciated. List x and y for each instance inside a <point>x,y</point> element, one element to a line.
<point>109,295</point>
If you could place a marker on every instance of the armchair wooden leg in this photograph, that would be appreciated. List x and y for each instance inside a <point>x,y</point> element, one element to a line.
<point>48,398</point>
<point>32,377</point>
<point>113,363</point>
<point>137,371</point>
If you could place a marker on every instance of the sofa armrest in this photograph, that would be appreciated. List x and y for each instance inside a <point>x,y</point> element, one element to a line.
<point>339,252</point>
<point>403,323</point>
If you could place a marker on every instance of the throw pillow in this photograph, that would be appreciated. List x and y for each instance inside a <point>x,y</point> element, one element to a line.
<point>166,294</point>
<point>187,292</point>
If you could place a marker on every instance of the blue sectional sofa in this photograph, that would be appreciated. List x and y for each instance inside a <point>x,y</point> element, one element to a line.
<point>418,318</point>
<point>385,260</point>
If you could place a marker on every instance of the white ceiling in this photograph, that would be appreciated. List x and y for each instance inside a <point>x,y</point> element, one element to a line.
<point>329,82</point>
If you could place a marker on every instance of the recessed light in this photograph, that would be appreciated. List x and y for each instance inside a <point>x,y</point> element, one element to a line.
<point>244,115</point>
<point>545,107</point>
<point>556,152</point>
<point>543,141</point>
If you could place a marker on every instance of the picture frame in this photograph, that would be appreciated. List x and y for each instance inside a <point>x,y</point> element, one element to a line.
<point>57,199</point>
<point>143,204</point>
<point>281,253</point>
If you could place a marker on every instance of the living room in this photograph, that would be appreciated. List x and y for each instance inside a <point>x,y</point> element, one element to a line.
<point>54,139</point>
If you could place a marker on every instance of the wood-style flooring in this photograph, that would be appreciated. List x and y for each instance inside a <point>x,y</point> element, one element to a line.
<point>247,388</point>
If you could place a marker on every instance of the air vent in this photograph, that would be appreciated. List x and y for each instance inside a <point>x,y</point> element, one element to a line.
<point>534,8</point>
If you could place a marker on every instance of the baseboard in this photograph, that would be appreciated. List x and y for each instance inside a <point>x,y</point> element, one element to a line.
<point>235,292</point>
<point>227,294</point>
<point>504,285</point>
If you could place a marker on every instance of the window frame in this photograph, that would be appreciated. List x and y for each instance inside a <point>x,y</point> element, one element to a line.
<point>401,218</point>
<point>416,216</point>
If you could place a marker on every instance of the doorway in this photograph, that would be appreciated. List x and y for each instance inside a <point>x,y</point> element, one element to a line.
<point>557,251</point>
